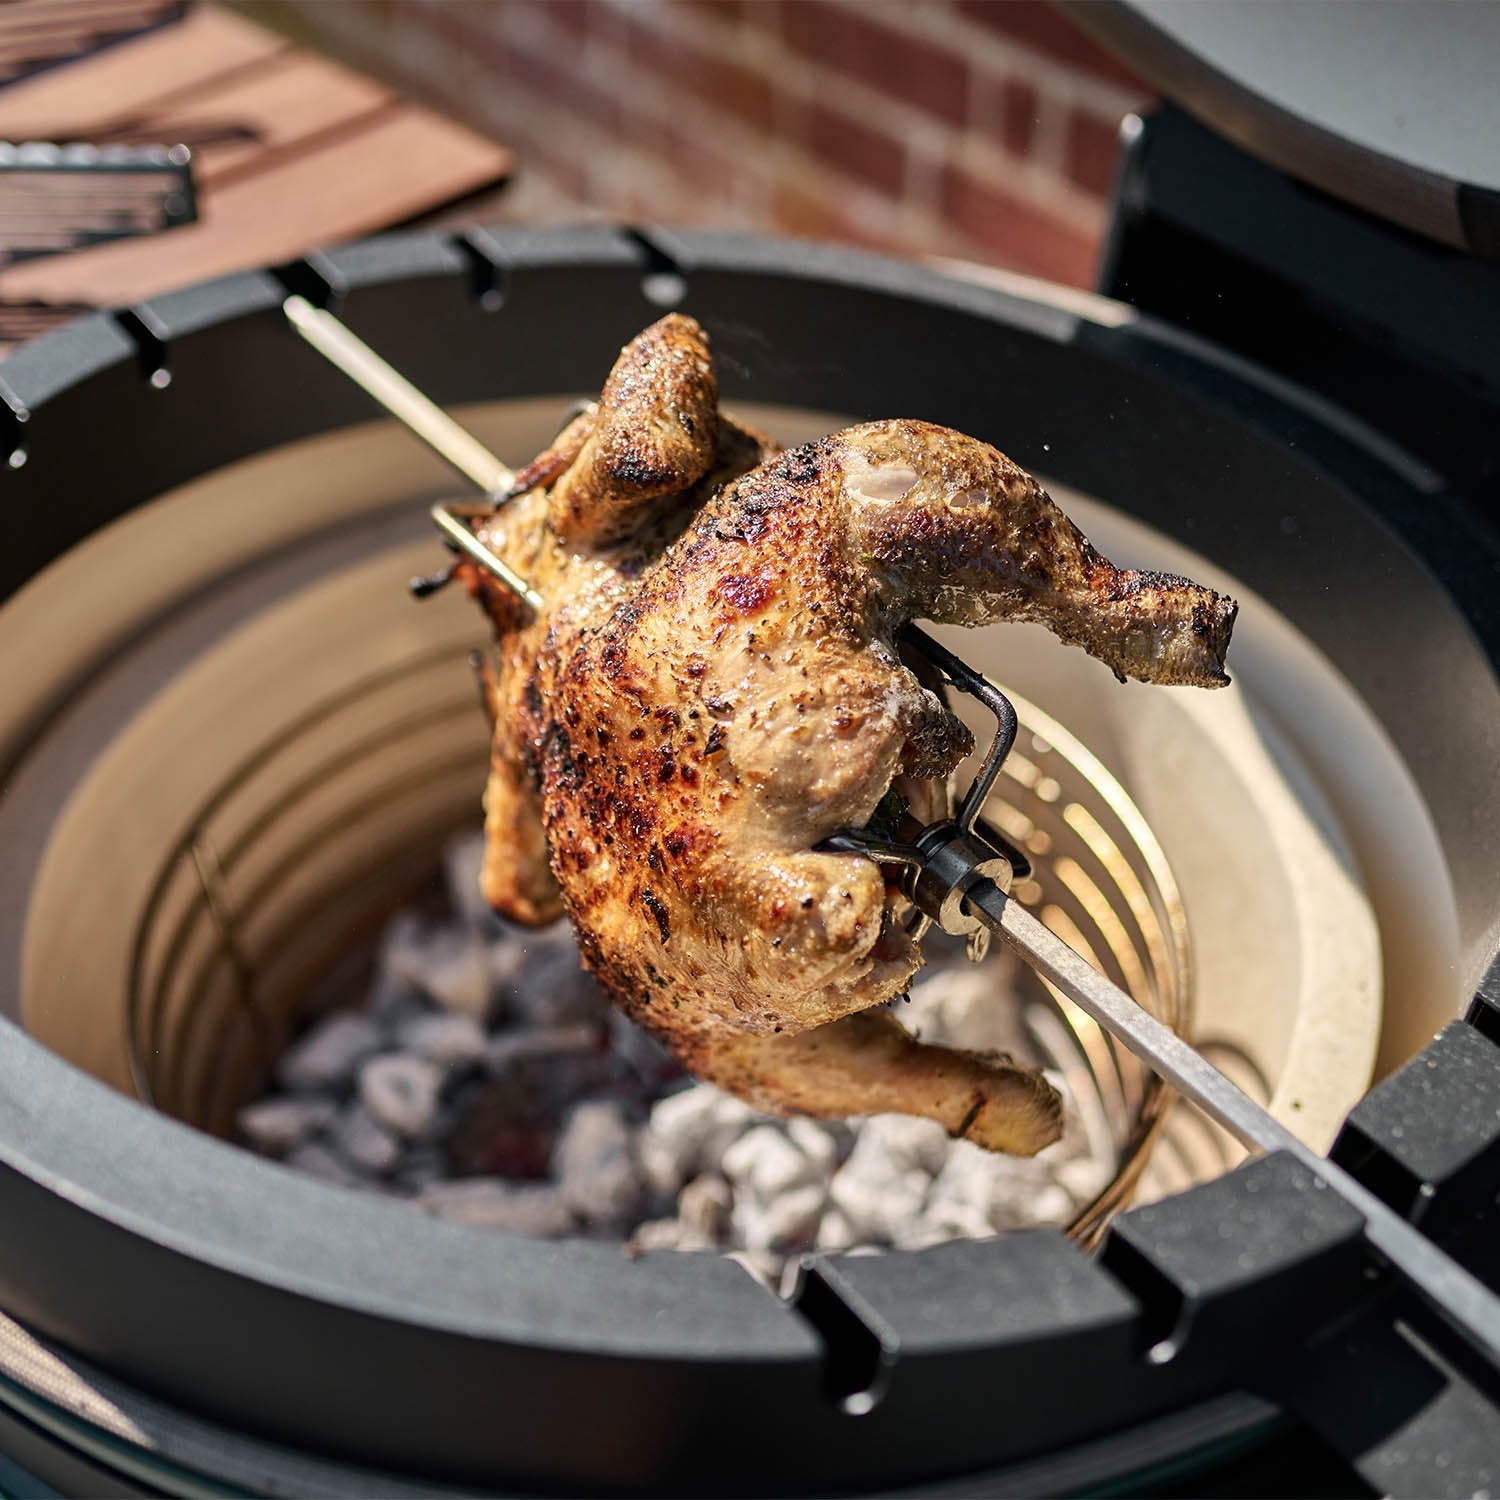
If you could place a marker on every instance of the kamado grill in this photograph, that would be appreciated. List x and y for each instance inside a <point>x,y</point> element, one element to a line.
<point>231,747</point>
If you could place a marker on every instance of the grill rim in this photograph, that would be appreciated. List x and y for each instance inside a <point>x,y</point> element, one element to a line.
<point>200,1255</point>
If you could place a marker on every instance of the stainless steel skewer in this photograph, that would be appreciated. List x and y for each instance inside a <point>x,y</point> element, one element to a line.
<point>957,878</point>
<point>427,420</point>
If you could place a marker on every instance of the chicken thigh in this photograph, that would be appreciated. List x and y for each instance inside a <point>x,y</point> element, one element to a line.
<point>710,689</point>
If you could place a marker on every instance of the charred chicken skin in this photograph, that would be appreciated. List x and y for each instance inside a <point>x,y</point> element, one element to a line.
<point>709,690</point>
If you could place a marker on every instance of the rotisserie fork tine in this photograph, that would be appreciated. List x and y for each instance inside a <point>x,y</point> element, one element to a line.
<point>956,874</point>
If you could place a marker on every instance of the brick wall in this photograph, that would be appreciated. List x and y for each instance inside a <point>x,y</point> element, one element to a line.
<point>984,129</point>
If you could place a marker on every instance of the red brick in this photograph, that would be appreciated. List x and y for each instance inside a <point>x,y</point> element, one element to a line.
<point>1020,106</point>
<point>1093,148</point>
<point>1039,25</point>
<point>741,91</point>
<point>861,45</point>
<point>720,10</point>
<point>447,21</point>
<point>763,15</point>
<point>870,155</point>
<point>570,175</point>
<point>812,211</point>
<point>560,82</point>
<point>608,26</point>
<point>1019,234</point>
<point>571,16</point>
<point>703,166</point>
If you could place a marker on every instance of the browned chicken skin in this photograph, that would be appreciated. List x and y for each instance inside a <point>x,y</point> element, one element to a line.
<point>709,691</point>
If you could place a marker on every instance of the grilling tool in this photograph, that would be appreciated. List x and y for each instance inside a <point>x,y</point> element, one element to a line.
<point>957,874</point>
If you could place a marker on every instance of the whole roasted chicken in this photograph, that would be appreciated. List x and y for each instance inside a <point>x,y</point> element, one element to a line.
<point>710,689</point>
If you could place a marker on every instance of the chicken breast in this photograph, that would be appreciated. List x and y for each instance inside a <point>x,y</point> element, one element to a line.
<point>710,689</point>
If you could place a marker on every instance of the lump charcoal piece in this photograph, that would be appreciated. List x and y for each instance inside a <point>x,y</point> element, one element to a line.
<point>783,1224</point>
<point>446,962</point>
<point>1083,1178</point>
<point>764,1162</point>
<point>1052,1205</point>
<point>825,1143</point>
<point>513,1045</point>
<point>456,973</point>
<point>973,1006</point>
<point>904,1141</point>
<point>703,1220</point>
<point>394,1002</point>
<point>640,1052</point>
<point>835,1232</point>
<point>704,1207</point>
<point>327,1057</point>
<point>594,1164</point>
<point>552,989</point>
<point>504,957</point>
<point>517,1208</point>
<point>420,1168</point>
<point>689,1131</point>
<point>318,1161</point>
<point>669,1234</point>
<point>960,1198</point>
<point>402,1093</point>
<point>502,1130</point>
<point>365,1143</point>
<point>883,1186</point>
<point>450,1039</point>
<point>275,1126</point>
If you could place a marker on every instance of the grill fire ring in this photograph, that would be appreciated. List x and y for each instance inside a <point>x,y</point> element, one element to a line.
<point>349,1329</point>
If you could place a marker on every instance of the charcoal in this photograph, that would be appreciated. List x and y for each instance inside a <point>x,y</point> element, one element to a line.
<point>452,1039</point>
<point>764,1162</point>
<point>445,961</point>
<point>401,1092</point>
<point>502,1130</point>
<point>691,1129</point>
<point>421,1165</point>
<point>489,1080</point>
<point>394,1003</point>
<point>365,1143</point>
<point>328,1056</point>
<point>594,1162</point>
<point>278,1125</point>
<point>552,989</point>
<point>782,1224</point>
<point>577,1039</point>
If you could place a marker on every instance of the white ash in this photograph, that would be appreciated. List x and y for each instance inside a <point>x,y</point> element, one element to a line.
<point>486,1079</point>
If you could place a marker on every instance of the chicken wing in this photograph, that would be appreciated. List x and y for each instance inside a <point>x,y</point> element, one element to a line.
<point>710,689</point>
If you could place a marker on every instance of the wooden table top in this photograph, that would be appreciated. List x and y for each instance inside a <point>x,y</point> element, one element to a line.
<point>293,152</point>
